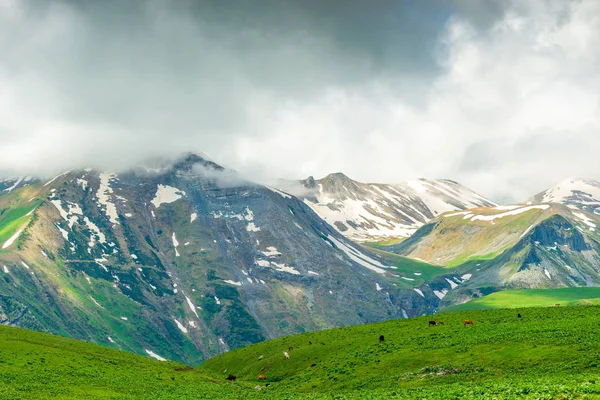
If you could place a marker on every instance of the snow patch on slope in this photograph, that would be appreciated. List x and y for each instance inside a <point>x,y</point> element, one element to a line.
<point>104,197</point>
<point>281,267</point>
<point>585,219</point>
<point>180,326</point>
<point>71,219</point>
<point>175,244</point>
<point>252,228</point>
<point>166,195</point>
<point>271,252</point>
<point>12,239</point>
<point>491,218</point>
<point>358,257</point>
<point>279,192</point>
<point>154,355</point>
<point>96,233</point>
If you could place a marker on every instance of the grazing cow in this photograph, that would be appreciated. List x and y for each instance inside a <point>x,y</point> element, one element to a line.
<point>286,355</point>
<point>261,357</point>
<point>309,342</point>
<point>262,377</point>
<point>231,377</point>
<point>468,322</point>
<point>432,323</point>
<point>381,339</point>
<point>440,323</point>
<point>518,315</point>
<point>557,305</point>
<point>290,348</point>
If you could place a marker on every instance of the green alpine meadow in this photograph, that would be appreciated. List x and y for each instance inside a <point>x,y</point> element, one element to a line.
<point>546,353</point>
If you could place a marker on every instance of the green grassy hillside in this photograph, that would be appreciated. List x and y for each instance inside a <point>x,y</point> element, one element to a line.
<point>549,353</point>
<point>532,298</point>
<point>36,365</point>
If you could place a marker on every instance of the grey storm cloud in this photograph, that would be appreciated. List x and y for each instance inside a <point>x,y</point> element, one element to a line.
<point>499,95</point>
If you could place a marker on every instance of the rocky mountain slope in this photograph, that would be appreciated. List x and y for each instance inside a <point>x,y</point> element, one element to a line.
<point>372,211</point>
<point>182,261</point>
<point>521,246</point>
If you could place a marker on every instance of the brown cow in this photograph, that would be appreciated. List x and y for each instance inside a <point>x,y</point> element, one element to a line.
<point>231,377</point>
<point>557,305</point>
<point>440,323</point>
<point>262,377</point>
<point>432,323</point>
<point>468,322</point>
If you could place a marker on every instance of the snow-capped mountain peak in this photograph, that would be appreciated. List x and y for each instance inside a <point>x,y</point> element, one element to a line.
<point>444,195</point>
<point>366,211</point>
<point>575,191</point>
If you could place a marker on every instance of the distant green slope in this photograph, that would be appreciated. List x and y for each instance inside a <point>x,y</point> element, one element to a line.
<point>16,212</point>
<point>417,272</point>
<point>532,298</point>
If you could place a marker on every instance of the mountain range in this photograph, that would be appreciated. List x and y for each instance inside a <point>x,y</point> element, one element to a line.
<point>182,261</point>
<point>186,259</point>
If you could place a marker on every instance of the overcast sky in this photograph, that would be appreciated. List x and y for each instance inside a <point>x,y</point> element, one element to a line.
<point>500,96</point>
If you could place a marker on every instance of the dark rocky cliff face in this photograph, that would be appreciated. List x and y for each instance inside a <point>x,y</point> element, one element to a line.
<point>557,230</point>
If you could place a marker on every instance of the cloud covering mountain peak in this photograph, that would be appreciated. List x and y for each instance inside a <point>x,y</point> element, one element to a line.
<point>502,98</point>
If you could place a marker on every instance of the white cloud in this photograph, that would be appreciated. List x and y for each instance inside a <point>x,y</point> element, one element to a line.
<point>523,93</point>
<point>512,109</point>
